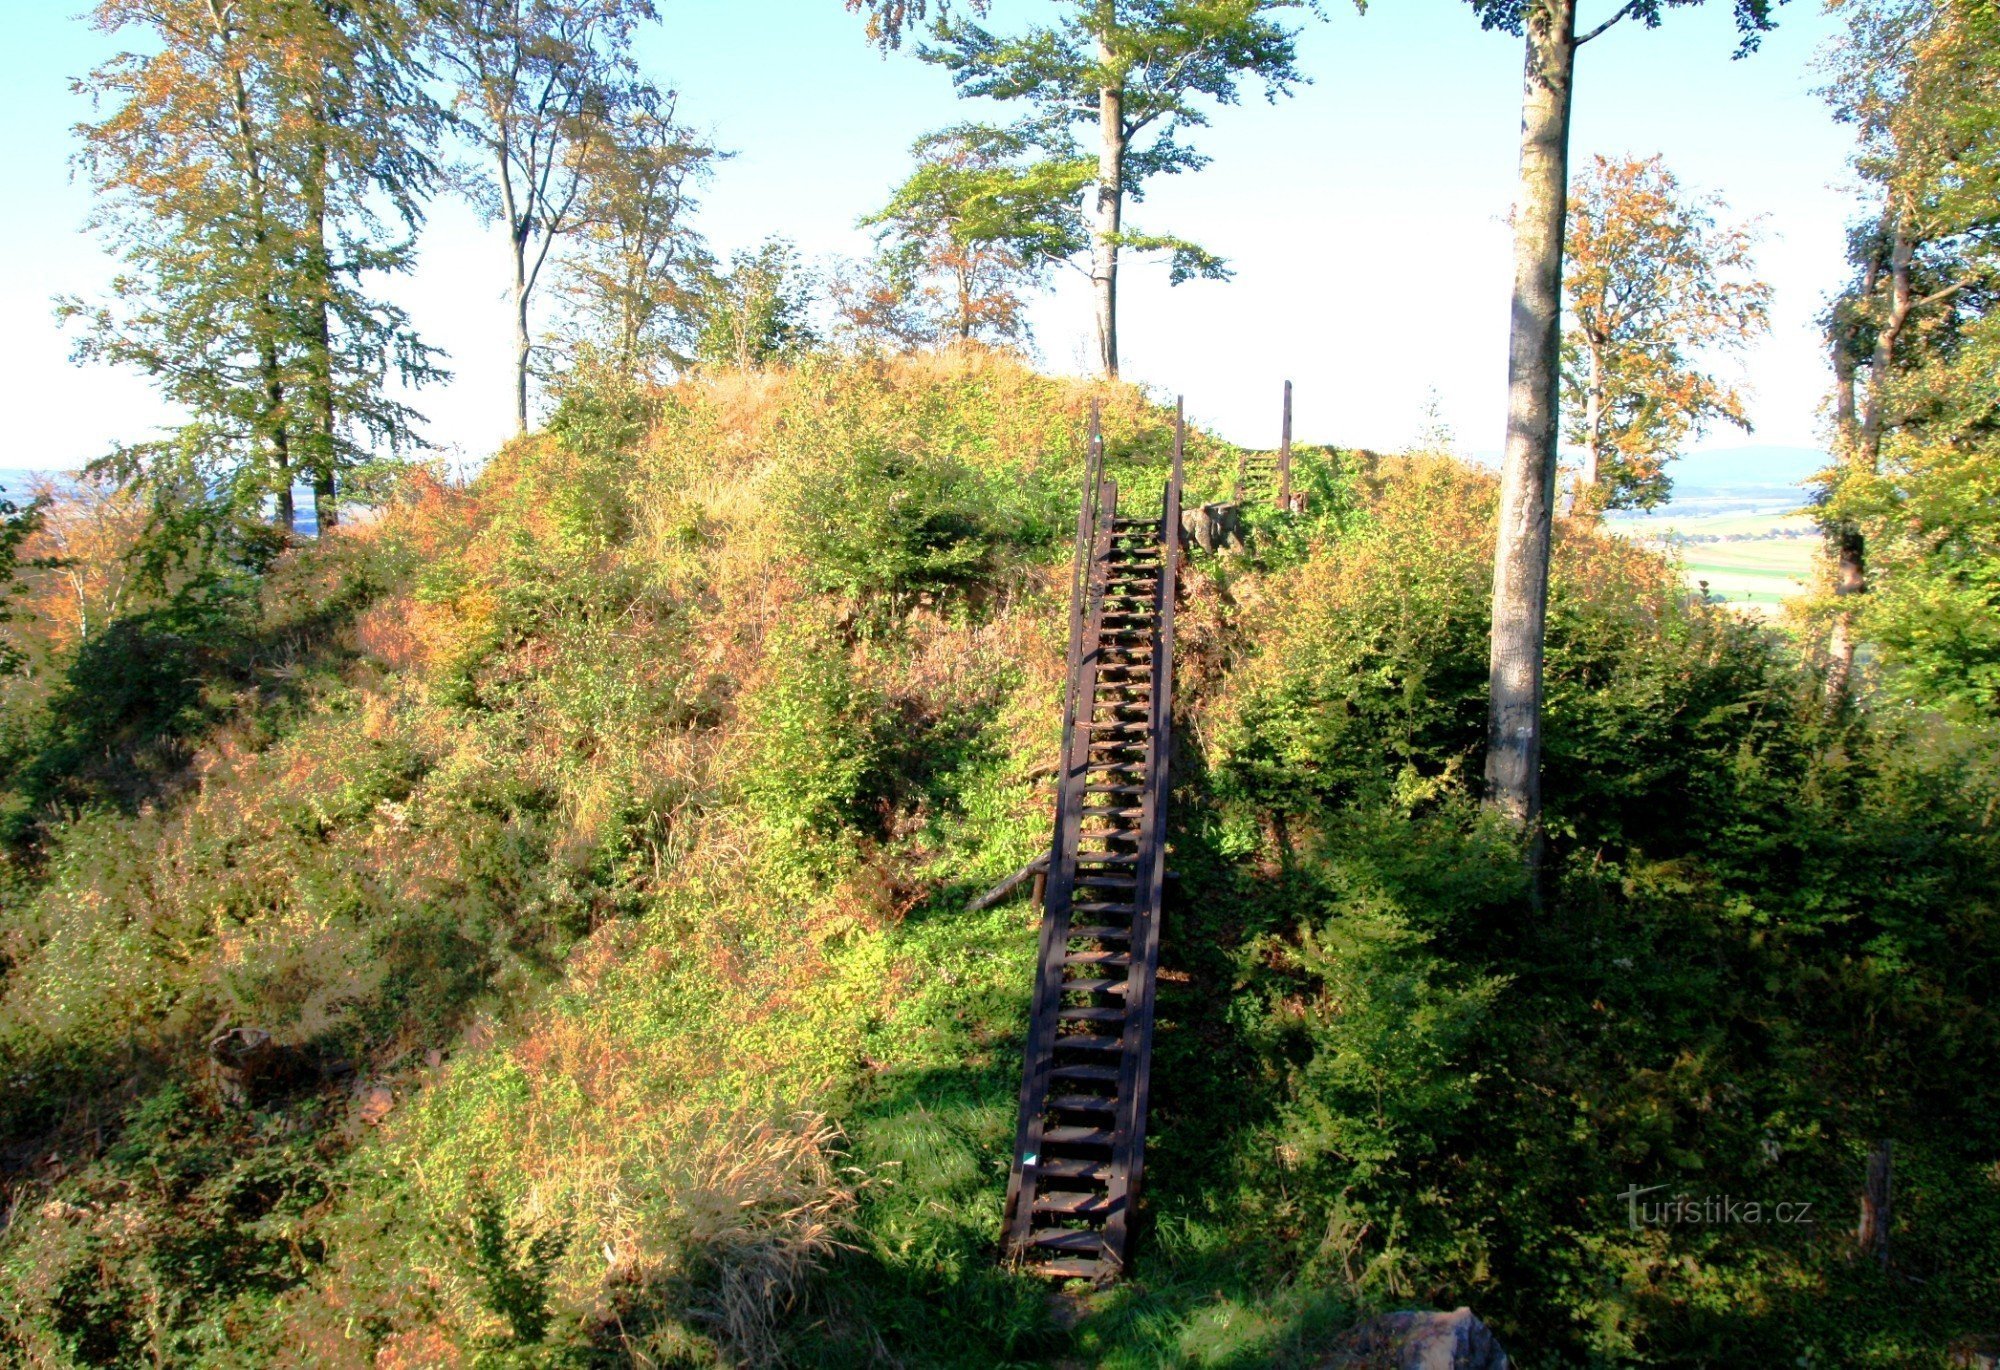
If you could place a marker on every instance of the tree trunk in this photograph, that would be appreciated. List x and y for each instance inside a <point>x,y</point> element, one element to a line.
<point>324,455</point>
<point>1110,211</point>
<point>1527,477</point>
<point>1593,417</point>
<point>1872,1235</point>
<point>285,517</point>
<point>269,371</point>
<point>1860,423</point>
<point>521,344</point>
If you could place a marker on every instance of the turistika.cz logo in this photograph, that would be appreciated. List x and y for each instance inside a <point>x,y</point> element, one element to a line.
<point>1706,1210</point>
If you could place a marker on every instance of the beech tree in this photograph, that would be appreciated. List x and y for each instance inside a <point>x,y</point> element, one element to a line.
<point>1657,289</point>
<point>538,83</point>
<point>1534,377</point>
<point>635,278</point>
<point>240,176</point>
<point>973,228</point>
<point>1911,338</point>
<point>1138,74</point>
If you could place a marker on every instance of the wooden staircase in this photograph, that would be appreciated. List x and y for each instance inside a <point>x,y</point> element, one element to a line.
<point>1267,476</point>
<point>1079,1149</point>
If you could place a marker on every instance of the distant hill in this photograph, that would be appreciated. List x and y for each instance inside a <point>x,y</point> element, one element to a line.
<point>17,482</point>
<point>1735,467</point>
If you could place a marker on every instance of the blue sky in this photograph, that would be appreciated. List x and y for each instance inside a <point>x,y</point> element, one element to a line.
<point>1365,217</point>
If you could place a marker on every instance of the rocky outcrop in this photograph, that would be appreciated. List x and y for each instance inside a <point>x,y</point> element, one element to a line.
<point>1457,1340</point>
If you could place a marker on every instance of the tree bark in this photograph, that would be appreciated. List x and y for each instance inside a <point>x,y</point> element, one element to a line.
<point>1527,478</point>
<point>1110,211</point>
<point>1872,1234</point>
<point>1593,416</point>
<point>1861,420</point>
<point>521,341</point>
<point>285,517</point>
<point>324,456</point>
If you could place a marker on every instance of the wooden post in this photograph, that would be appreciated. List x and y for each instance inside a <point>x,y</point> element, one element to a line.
<point>1873,1233</point>
<point>1284,456</point>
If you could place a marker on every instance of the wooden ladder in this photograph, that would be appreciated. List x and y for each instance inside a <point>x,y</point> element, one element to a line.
<point>1079,1147</point>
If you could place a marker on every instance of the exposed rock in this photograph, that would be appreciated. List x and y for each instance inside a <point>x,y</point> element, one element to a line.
<point>376,1103</point>
<point>1213,525</point>
<point>1421,1341</point>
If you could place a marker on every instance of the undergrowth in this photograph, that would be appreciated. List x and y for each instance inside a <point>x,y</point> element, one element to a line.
<point>594,845</point>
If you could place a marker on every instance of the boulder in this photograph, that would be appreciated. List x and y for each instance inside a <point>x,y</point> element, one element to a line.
<point>1457,1340</point>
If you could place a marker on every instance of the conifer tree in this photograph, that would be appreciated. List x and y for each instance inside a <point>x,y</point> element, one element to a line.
<point>237,174</point>
<point>1138,76</point>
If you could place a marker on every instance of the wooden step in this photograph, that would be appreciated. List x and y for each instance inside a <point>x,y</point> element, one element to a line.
<point>1071,1268</point>
<point>1110,882</point>
<point>1086,1241</point>
<point>1098,958</point>
<point>1090,1041</point>
<point>1096,986</point>
<point>1100,934</point>
<point>1067,1135</point>
<point>1084,1103</point>
<point>1091,1015</point>
<point>1106,1074</point>
<point>1075,1203</point>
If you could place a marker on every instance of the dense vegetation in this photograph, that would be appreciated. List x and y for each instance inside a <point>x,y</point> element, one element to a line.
<point>593,843</point>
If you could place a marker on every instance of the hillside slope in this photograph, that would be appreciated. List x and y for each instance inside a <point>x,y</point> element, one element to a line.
<point>595,856</point>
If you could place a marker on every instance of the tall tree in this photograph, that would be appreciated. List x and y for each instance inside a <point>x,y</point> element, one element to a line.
<point>1138,74</point>
<point>538,83</point>
<point>1657,290</point>
<point>366,131</point>
<point>1534,378</point>
<point>634,282</point>
<point>975,227</point>
<point>1920,83</point>
<point>237,173</point>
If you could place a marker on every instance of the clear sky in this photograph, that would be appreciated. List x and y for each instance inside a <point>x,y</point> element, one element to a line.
<point>1365,217</point>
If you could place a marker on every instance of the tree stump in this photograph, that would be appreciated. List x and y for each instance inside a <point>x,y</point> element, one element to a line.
<point>237,1058</point>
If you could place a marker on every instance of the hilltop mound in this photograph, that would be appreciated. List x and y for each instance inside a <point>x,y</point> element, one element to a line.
<point>595,853</point>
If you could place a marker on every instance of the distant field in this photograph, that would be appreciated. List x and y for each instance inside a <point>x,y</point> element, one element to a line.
<point>1758,566</point>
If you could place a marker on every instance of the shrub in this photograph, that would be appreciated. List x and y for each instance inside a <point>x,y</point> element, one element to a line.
<point>881,523</point>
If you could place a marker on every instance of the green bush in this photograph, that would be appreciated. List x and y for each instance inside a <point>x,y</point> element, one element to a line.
<point>882,523</point>
<point>815,752</point>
